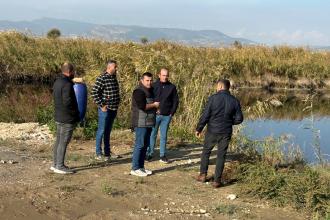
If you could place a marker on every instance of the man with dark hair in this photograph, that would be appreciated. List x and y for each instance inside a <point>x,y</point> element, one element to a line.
<point>221,112</point>
<point>66,116</point>
<point>167,95</point>
<point>105,94</point>
<point>143,119</point>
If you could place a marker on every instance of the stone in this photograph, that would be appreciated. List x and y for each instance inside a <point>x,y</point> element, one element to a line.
<point>231,196</point>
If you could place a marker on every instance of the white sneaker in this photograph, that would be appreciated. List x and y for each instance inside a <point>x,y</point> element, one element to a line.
<point>107,159</point>
<point>148,172</point>
<point>138,173</point>
<point>99,157</point>
<point>52,168</point>
<point>63,171</point>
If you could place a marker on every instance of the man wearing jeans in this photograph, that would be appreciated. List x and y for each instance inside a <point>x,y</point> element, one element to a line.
<point>167,95</point>
<point>105,94</point>
<point>143,119</point>
<point>221,112</point>
<point>66,116</point>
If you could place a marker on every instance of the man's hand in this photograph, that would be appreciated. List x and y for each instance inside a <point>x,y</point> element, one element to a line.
<point>104,108</point>
<point>156,104</point>
<point>198,134</point>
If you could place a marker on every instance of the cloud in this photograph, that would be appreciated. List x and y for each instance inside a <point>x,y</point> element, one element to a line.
<point>296,37</point>
<point>300,37</point>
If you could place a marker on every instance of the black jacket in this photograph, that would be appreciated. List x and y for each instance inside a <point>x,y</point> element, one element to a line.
<point>140,116</point>
<point>221,112</point>
<point>167,95</point>
<point>66,107</point>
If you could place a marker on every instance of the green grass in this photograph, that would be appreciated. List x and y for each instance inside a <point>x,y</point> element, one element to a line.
<point>305,189</point>
<point>227,209</point>
<point>107,189</point>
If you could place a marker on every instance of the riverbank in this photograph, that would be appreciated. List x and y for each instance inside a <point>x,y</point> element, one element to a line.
<point>106,190</point>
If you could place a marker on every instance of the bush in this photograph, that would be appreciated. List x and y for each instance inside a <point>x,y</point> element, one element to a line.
<point>304,189</point>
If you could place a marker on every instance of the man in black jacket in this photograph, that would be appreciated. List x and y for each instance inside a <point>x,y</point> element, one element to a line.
<point>66,116</point>
<point>167,95</point>
<point>221,112</point>
<point>143,119</point>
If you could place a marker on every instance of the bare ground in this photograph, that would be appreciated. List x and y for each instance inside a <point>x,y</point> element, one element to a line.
<point>99,190</point>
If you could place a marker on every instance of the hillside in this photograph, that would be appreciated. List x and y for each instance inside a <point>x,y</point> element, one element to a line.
<point>122,33</point>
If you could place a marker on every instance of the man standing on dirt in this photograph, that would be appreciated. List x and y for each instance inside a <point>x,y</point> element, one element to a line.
<point>66,116</point>
<point>105,94</point>
<point>221,112</point>
<point>168,97</point>
<point>143,119</point>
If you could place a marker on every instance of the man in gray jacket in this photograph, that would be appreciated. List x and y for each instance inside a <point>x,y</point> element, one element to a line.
<point>143,119</point>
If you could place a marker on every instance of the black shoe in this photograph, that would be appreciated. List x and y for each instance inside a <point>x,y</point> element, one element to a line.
<point>148,158</point>
<point>163,159</point>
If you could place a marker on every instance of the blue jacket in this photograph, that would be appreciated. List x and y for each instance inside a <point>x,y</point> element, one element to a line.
<point>221,112</point>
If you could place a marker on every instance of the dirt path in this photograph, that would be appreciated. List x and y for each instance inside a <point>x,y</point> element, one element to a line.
<point>29,190</point>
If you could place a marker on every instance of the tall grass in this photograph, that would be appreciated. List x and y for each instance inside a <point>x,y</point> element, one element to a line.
<point>193,70</point>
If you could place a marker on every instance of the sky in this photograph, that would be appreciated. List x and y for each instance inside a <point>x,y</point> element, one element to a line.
<point>292,22</point>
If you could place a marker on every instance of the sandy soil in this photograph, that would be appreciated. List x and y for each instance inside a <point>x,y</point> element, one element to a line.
<point>100,190</point>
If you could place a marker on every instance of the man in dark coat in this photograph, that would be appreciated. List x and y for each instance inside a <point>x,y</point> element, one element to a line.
<point>168,98</point>
<point>66,116</point>
<point>221,112</point>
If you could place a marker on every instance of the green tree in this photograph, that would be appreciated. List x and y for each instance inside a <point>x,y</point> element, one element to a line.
<point>237,44</point>
<point>54,33</point>
<point>144,40</point>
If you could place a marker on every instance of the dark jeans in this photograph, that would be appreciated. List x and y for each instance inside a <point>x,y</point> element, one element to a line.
<point>104,127</point>
<point>222,140</point>
<point>142,139</point>
<point>63,137</point>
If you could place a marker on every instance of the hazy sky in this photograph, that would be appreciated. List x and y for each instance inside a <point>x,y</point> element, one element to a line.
<point>297,22</point>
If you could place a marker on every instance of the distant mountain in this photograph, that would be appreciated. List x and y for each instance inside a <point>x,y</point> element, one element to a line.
<point>70,28</point>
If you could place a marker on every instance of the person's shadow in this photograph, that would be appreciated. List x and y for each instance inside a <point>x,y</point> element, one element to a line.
<point>184,152</point>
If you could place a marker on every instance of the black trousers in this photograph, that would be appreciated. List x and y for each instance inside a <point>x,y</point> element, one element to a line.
<point>222,141</point>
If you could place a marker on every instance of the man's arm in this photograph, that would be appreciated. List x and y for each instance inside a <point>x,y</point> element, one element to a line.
<point>204,119</point>
<point>175,101</point>
<point>141,102</point>
<point>97,91</point>
<point>238,117</point>
<point>69,101</point>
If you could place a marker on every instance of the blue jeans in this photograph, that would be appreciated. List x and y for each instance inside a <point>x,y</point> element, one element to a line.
<point>104,127</point>
<point>142,138</point>
<point>162,121</point>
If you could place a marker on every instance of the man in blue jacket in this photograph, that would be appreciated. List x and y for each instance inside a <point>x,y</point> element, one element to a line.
<point>66,116</point>
<point>221,112</point>
<point>167,95</point>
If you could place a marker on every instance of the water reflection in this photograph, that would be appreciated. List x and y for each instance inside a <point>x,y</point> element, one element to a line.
<point>303,116</point>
